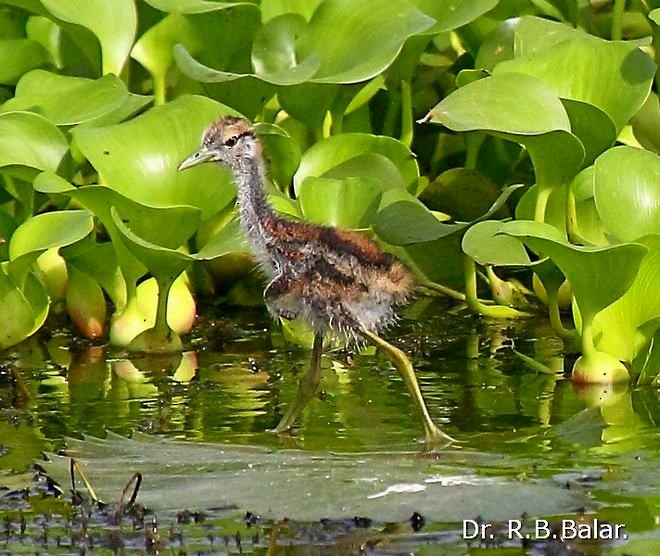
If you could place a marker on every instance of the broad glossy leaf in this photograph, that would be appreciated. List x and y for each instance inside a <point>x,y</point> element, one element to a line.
<point>521,109</point>
<point>614,76</point>
<point>386,487</point>
<point>114,24</point>
<point>629,323</point>
<point>163,263</point>
<point>343,42</point>
<point>139,158</point>
<point>593,127</point>
<point>273,8</point>
<point>51,229</point>
<point>324,157</point>
<point>598,276</point>
<point>28,139</point>
<point>406,222</point>
<point>646,123</point>
<point>357,41</point>
<point>18,57</point>
<point>28,308</point>
<point>485,245</point>
<point>281,152</point>
<point>451,14</point>
<point>154,48</point>
<point>516,104</point>
<point>66,100</point>
<point>274,56</point>
<point>627,192</point>
<point>534,33</point>
<point>347,203</point>
<point>193,6</point>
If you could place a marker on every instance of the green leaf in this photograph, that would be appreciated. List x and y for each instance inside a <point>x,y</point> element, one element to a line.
<point>598,275</point>
<point>627,192</point>
<point>114,24</point>
<point>451,14</point>
<point>406,222</point>
<point>281,152</point>
<point>357,41</point>
<point>30,140</point>
<point>154,48</point>
<point>485,245</point>
<point>348,203</point>
<point>343,42</point>
<point>66,100</point>
<point>28,308</point>
<point>138,159</point>
<point>614,76</point>
<point>18,57</point>
<point>193,6</point>
<point>324,157</point>
<point>51,229</point>
<point>626,326</point>
<point>516,104</point>
<point>252,477</point>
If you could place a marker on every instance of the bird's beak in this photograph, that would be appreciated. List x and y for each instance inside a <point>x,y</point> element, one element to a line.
<point>202,155</point>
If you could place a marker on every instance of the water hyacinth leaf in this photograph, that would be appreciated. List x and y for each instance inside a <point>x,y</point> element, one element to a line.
<point>28,139</point>
<point>348,203</point>
<point>485,245</point>
<point>274,56</point>
<point>158,259</point>
<point>113,23</point>
<point>250,477</point>
<point>273,8</point>
<point>516,104</point>
<point>627,192</point>
<point>598,275</point>
<point>614,76</point>
<point>193,6</point>
<point>20,56</point>
<point>281,152</point>
<point>592,126</point>
<point>139,160</point>
<point>452,14</point>
<point>343,42</point>
<point>66,100</point>
<point>359,41</point>
<point>28,307</point>
<point>407,222</point>
<point>624,327</point>
<point>51,229</point>
<point>323,157</point>
<point>646,122</point>
<point>154,48</point>
<point>535,33</point>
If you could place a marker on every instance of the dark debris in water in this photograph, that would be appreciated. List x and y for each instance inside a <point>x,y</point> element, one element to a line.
<point>44,519</point>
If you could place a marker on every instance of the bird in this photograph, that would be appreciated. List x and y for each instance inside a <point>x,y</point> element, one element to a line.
<point>339,282</point>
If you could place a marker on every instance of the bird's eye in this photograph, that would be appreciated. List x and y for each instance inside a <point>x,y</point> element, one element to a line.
<point>231,141</point>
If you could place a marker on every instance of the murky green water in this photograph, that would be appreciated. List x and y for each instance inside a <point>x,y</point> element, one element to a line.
<point>238,377</point>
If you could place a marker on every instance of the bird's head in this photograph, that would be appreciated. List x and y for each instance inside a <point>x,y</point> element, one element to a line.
<point>227,141</point>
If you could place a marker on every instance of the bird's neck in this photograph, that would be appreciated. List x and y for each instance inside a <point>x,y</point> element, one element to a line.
<point>253,208</point>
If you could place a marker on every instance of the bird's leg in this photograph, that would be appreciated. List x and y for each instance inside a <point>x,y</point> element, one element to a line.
<point>308,386</point>
<point>432,433</point>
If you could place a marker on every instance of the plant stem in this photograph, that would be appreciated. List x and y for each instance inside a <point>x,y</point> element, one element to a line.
<point>160,89</point>
<point>496,311</point>
<point>473,142</point>
<point>406,114</point>
<point>568,335</point>
<point>444,290</point>
<point>617,19</point>
<point>542,202</point>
